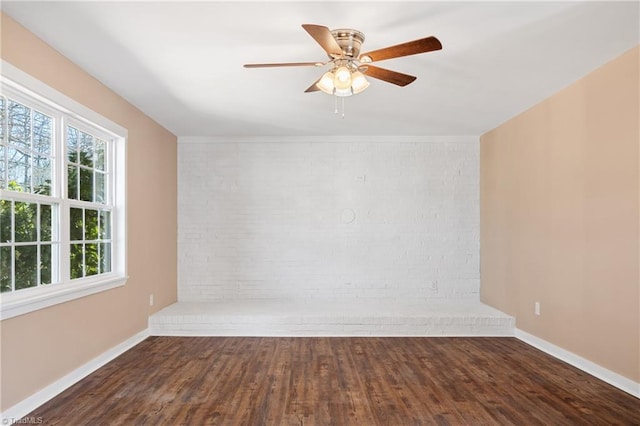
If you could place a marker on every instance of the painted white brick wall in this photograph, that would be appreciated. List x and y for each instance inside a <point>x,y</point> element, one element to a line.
<point>313,218</point>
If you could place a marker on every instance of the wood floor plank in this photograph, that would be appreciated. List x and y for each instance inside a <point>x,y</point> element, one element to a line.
<point>338,381</point>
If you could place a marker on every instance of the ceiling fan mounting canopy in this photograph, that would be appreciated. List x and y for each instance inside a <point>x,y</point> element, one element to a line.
<point>343,46</point>
<point>350,41</point>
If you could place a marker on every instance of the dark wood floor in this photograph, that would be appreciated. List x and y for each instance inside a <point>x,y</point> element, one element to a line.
<point>339,381</point>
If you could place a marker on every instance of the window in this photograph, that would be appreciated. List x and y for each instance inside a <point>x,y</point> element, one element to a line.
<point>62,212</point>
<point>87,174</point>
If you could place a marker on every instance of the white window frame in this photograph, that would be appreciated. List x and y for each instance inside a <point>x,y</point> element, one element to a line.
<point>14,81</point>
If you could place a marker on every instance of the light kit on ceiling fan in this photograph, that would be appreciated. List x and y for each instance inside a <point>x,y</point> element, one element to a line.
<point>343,80</point>
<point>348,67</point>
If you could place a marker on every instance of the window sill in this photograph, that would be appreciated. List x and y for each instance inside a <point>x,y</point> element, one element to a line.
<point>29,300</point>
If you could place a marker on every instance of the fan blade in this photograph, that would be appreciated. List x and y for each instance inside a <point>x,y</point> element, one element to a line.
<point>313,87</point>
<point>389,76</point>
<point>324,38</point>
<point>414,47</point>
<point>286,64</point>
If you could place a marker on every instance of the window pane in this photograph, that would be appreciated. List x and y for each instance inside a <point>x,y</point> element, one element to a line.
<point>42,175</point>
<point>5,221</point>
<point>105,225</point>
<point>6,269</point>
<point>76,225</point>
<point>45,264</point>
<point>72,182</point>
<point>101,147</point>
<point>86,184</point>
<point>19,170</point>
<point>26,221</point>
<point>90,224</point>
<point>91,259</point>
<point>105,257</point>
<point>72,144</point>
<point>19,124</point>
<point>45,222</point>
<point>100,188</point>
<point>75,258</point>
<point>42,130</point>
<point>86,149</point>
<point>26,266</point>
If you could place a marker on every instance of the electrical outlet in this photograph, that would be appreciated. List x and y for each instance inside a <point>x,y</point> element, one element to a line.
<point>536,308</point>
<point>151,300</point>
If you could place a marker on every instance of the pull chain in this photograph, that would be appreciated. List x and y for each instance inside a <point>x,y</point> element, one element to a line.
<point>335,110</point>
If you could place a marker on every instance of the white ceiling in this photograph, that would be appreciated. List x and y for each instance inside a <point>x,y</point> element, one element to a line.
<point>181,62</point>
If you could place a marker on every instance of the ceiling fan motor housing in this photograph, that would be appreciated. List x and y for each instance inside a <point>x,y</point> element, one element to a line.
<point>350,41</point>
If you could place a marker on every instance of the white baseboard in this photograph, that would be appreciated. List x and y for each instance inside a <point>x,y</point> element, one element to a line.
<point>585,365</point>
<point>24,407</point>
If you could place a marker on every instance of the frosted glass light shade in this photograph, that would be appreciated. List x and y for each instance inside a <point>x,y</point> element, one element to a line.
<point>342,79</point>
<point>326,83</point>
<point>358,82</point>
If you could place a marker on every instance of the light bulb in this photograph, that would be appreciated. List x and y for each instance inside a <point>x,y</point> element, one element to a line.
<point>342,78</point>
<point>326,83</point>
<point>359,83</point>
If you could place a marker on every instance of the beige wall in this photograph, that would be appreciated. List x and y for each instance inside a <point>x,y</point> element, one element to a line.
<point>560,217</point>
<point>40,347</point>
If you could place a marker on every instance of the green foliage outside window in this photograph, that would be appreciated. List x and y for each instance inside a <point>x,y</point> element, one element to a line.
<point>31,228</point>
<point>90,234</point>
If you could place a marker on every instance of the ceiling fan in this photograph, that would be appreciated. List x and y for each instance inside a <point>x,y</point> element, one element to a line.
<point>348,66</point>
